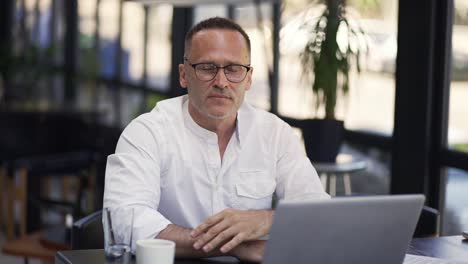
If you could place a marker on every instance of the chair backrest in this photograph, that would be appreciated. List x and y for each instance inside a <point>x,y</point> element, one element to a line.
<point>87,233</point>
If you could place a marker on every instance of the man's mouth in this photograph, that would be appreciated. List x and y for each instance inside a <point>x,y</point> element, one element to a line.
<point>221,96</point>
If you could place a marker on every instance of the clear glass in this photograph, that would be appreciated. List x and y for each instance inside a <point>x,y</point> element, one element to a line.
<point>108,31</point>
<point>118,225</point>
<point>159,47</point>
<point>458,109</point>
<point>260,38</point>
<point>455,212</point>
<point>132,42</point>
<point>87,56</point>
<point>369,104</point>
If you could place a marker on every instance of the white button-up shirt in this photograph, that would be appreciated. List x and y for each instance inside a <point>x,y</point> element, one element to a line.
<point>169,169</point>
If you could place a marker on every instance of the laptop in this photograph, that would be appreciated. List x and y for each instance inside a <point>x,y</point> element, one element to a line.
<point>362,229</point>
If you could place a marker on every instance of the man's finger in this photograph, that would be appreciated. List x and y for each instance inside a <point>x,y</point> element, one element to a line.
<point>221,237</point>
<point>210,221</point>
<point>234,242</point>
<point>210,234</point>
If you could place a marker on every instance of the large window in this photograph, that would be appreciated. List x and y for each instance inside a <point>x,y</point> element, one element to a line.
<point>370,102</point>
<point>256,20</point>
<point>458,110</point>
<point>455,217</point>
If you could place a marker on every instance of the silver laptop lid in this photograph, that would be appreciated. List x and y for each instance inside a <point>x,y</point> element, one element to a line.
<point>363,229</point>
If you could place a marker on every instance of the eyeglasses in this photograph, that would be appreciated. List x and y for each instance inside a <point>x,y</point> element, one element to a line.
<point>235,73</point>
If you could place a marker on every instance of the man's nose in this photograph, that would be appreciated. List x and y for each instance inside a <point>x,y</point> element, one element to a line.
<point>221,79</point>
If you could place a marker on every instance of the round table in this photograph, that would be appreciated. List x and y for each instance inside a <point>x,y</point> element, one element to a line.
<point>343,167</point>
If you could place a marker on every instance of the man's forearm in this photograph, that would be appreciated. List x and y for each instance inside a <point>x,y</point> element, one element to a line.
<point>184,242</point>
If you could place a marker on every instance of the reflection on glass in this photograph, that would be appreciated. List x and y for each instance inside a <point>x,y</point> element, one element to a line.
<point>370,101</point>
<point>458,109</point>
<point>455,214</point>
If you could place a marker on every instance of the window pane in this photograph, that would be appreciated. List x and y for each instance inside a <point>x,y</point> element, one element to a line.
<point>87,59</point>
<point>86,12</point>
<point>455,215</point>
<point>458,109</point>
<point>108,31</point>
<point>132,42</point>
<point>370,101</point>
<point>159,47</point>
<point>260,33</point>
<point>260,38</point>
<point>375,179</point>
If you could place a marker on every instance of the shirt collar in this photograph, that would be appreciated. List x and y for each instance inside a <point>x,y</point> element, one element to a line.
<point>206,134</point>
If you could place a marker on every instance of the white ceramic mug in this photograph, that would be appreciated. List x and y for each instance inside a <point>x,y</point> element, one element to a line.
<point>160,251</point>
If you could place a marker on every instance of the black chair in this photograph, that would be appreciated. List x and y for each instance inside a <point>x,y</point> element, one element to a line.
<point>428,223</point>
<point>87,233</point>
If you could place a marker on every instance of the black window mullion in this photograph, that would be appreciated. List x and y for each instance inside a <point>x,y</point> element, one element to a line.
<point>70,51</point>
<point>52,62</point>
<point>37,27</point>
<point>118,67</point>
<point>24,36</point>
<point>276,16</point>
<point>182,20</point>
<point>441,95</point>
<point>144,79</point>
<point>97,52</point>
<point>231,12</point>
<point>413,98</point>
<point>421,96</point>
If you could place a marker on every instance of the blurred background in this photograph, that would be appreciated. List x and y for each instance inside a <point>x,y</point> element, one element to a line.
<point>74,73</point>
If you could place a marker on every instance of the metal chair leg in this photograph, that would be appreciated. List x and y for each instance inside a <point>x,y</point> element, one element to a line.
<point>323,179</point>
<point>333,185</point>
<point>347,183</point>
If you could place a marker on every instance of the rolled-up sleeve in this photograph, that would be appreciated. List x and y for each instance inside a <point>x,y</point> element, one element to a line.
<point>132,180</point>
<point>297,179</point>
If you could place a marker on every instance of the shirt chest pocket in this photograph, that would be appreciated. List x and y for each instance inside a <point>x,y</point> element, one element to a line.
<point>254,190</point>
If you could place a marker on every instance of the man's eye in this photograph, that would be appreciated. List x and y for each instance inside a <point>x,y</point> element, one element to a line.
<point>234,68</point>
<point>206,67</point>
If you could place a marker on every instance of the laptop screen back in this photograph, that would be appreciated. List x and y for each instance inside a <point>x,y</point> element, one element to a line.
<point>364,229</point>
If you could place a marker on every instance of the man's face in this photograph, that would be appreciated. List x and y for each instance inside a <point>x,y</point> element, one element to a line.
<point>218,98</point>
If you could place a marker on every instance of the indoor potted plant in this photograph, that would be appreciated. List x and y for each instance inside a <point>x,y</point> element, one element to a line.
<point>334,44</point>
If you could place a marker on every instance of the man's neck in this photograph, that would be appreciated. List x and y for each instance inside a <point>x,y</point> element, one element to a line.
<point>224,128</point>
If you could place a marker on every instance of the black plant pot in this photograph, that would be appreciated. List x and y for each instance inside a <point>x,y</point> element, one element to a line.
<point>322,138</point>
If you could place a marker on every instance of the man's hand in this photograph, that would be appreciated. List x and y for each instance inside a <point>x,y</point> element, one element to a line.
<point>250,251</point>
<point>233,226</point>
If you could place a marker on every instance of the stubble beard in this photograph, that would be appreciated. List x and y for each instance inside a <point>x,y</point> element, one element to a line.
<point>205,112</point>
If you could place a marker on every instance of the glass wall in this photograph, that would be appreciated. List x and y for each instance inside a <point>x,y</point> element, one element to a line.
<point>369,104</point>
<point>455,217</point>
<point>159,47</point>
<point>458,109</point>
<point>455,214</point>
<point>256,20</point>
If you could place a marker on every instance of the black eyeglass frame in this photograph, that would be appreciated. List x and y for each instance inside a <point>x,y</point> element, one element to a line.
<point>247,67</point>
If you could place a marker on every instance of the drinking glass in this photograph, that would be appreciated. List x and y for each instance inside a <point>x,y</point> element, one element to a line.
<point>118,225</point>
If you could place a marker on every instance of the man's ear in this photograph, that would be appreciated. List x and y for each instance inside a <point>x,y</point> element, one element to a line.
<point>182,76</point>
<point>249,79</point>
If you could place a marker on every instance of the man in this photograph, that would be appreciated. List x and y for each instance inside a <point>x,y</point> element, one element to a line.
<point>202,169</point>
